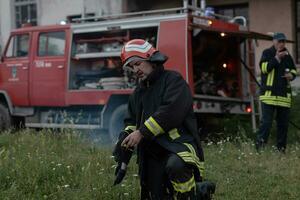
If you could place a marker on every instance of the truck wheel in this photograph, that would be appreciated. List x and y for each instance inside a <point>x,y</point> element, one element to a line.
<point>5,118</point>
<point>116,123</point>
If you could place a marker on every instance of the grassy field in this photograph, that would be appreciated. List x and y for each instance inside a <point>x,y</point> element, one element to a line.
<point>48,165</point>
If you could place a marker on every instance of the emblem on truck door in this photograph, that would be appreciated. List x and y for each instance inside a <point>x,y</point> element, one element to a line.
<point>13,74</point>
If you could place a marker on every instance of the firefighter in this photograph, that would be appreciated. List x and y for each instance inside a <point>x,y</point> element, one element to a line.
<point>277,71</point>
<point>162,125</point>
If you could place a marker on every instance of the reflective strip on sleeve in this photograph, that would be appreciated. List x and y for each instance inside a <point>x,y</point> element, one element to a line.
<point>153,126</point>
<point>264,67</point>
<point>132,128</point>
<point>270,78</point>
<point>174,134</point>
<point>293,71</point>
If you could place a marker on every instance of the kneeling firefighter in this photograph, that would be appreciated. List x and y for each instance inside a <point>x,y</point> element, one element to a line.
<point>162,125</point>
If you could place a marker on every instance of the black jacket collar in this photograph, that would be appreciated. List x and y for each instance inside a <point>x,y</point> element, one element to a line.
<point>155,75</point>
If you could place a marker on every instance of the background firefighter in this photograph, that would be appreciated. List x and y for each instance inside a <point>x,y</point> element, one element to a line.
<point>163,127</point>
<point>278,69</point>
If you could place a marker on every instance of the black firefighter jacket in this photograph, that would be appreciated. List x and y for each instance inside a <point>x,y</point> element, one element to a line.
<point>161,108</point>
<point>276,90</point>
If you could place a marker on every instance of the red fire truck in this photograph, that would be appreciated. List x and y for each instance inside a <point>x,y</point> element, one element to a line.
<point>70,76</point>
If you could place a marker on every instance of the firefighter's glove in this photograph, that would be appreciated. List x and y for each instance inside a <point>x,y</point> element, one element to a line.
<point>118,148</point>
<point>122,156</point>
<point>120,171</point>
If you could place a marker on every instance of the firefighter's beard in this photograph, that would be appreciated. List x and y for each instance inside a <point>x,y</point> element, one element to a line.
<point>141,75</point>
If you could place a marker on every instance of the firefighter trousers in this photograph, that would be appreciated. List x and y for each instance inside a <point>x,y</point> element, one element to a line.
<point>282,120</point>
<point>166,177</point>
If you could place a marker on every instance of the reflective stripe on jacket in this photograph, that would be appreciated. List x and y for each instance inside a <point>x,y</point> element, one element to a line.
<point>275,89</point>
<point>161,108</point>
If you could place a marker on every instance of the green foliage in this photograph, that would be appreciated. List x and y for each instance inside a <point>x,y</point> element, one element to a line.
<point>242,173</point>
<point>48,165</point>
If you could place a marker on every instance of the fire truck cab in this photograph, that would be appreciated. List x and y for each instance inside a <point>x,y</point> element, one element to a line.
<point>70,76</point>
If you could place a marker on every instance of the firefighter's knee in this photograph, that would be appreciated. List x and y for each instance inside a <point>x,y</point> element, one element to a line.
<point>175,165</point>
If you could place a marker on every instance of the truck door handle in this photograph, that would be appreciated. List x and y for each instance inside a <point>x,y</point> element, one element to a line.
<point>60,66</point>
<point>24,68</point>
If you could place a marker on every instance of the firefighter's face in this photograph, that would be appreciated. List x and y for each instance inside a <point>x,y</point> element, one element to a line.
<point>279,44</point>
<point>141,68</point>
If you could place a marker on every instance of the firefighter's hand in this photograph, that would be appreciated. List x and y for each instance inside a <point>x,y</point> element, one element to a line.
<point>281,54</point>
<point>288,76</point>
<point>132,139</point>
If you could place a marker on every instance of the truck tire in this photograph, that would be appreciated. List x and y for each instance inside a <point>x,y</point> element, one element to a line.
<point>116,122</point>
<point>5,118</point>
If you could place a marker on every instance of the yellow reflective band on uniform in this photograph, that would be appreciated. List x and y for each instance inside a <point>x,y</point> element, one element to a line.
<point>174,134</point>
<point>200,164</point>
<point>153,126</point>
<point>264,67</point>
<point>132,128</point>
<point>293,71</point>
<point>192,159</point>
<point>185,186</point>
<point>276,98</point>
<point>286,99</point>
<point>191,148</point>
<point>270,78</point>
<point>276,103</point>
<point>268,93</point>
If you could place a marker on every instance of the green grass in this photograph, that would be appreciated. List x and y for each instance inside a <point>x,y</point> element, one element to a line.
<point>48,165</point>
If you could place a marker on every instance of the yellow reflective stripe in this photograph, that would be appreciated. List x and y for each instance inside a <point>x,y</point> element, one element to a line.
<point>270,78</point>
<point>193,159</point>
<point>188,157</point>
<point>264,67</point>
<point>195,156</point>
<point>153,126</point>
<point>184,186</point>
<point>276,103</point>
<point>283,98</point>
<point>174,133</point>
<point>276,98</point>
<point>285,102</point>
<point>191,148</point>
<point>293,71</point>
<point>267,93</point>
<point>132,128</point>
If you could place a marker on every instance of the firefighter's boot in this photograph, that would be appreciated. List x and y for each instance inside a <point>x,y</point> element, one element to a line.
<point>205,190</point>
